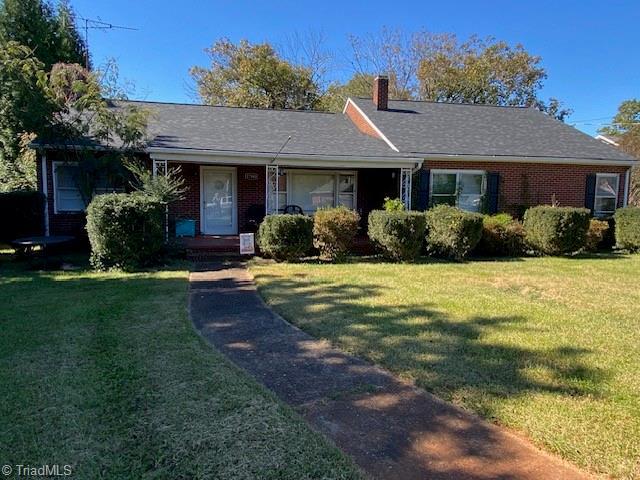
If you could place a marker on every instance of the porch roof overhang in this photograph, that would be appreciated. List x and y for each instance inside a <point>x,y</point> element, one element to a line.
<point>224,157</point>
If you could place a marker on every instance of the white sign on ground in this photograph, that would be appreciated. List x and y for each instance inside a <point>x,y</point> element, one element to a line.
<point>247,244</point>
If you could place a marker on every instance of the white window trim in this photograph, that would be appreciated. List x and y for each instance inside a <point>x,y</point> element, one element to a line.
<point>457,172</point>
<point>596,196</point>
<point>336,175</point>
<point>54,168</point>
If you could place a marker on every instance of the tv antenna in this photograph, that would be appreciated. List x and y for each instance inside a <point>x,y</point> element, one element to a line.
<point>93,24</point>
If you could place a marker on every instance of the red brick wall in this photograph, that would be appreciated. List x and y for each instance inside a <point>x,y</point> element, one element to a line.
<point>61,223</point>
<point>534,183</point>
<point>356,117</point>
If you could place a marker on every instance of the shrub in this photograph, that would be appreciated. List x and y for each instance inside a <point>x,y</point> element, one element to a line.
<point>556,230</point>
<point>596,234</point>
<point>286,237</point>
<point>334,230</point>
<point>451,232</point>
<point>21,214</point>
<point>392,205</point>
<point>125,230</point>
<point>398,234</point>
<point>501,236</point>
<point>628,228</point>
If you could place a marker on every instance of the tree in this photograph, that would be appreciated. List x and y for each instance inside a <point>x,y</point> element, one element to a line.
<point>334,98</point>
<point>70,46</point>
<point>625,127</point>
<point>247,75</point>
<point>24,110</point>
<point>438,67</point>
<point>53,37</point>
<point>32,39</point>
<point>99,135</point>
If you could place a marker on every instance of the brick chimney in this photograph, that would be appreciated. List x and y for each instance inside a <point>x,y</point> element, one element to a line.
<point>381,92</point>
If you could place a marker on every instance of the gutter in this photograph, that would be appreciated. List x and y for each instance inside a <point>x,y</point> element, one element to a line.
<point>515,159</point>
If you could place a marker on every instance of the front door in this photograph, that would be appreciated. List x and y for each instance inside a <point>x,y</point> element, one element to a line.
<point>219,216</point>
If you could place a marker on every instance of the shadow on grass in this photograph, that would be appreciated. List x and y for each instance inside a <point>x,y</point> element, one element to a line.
<point>390,429</point>
<point>449,354</point>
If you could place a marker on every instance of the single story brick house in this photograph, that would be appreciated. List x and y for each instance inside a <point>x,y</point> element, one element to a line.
<point>243,163</point>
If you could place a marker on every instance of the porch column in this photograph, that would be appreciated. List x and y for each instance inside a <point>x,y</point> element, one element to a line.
<point>160,168</point>
<point>271,203</point>
<point>405,187</point>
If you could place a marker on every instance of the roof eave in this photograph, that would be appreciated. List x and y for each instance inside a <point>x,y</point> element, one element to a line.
<point>529,159</point>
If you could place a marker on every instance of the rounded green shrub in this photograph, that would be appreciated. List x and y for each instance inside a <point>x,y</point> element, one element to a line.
<point>502,235</point>
<point>126,230</point>
<point>556,230</point>
<point>334,230</point>
<point>286,237</point>
<point>451,232</point>
<point>398,234</point>
<point>627,228</point>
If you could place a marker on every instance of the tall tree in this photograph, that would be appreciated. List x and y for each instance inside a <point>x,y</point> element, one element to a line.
<point>33,38</point>
<point>248,75</point>
<point>52,36</point>
<point>625,128</point>
<point>24,110</point>
<point>70,46</point>
<point>438,67</point>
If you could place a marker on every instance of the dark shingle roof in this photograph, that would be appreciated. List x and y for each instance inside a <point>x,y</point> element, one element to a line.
<point>427,128</point>
<point>252,130</point>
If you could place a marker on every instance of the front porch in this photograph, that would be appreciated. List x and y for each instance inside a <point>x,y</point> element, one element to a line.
<point>224,200</point>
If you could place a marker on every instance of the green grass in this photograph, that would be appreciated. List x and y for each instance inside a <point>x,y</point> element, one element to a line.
<point>104,372</point>
<point>549,347</point>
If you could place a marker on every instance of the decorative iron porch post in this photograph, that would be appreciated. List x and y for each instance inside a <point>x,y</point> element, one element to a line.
<point>405,187</point>
<point>271,204</point>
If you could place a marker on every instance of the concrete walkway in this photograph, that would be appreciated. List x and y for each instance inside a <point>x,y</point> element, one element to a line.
<point>391,429</point>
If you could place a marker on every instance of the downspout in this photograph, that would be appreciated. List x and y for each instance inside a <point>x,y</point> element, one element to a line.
<point>45,191</point>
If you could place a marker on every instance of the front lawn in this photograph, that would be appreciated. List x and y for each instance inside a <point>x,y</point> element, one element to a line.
<point>104,372</point>
<point>549,347</point>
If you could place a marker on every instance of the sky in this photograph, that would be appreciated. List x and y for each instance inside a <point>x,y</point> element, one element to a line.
<point>588,48</point>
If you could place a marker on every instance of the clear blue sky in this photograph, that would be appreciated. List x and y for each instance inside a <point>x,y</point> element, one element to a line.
<point>589,48</point>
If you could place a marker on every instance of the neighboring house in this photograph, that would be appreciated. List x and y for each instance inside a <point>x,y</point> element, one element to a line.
<point>242,163</point>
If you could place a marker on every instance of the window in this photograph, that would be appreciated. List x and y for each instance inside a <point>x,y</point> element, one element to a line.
<point>606,196</point>
<point>463,188</point>
<point>314,190</point>
<point>65,186</point>
<point>67,193</point>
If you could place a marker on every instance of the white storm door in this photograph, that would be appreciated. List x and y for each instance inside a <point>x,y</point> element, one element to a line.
<point>218,194</point>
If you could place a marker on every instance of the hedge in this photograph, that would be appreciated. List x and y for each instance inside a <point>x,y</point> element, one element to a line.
<point>451,232</point>
<point>627,227</point>
<point>21,214</point>
<point>556,230</point>
<point>334,230</point>
<point>398,234</point>
<point>502,235</point>
<point>125,230</point>
<point>286,237</point>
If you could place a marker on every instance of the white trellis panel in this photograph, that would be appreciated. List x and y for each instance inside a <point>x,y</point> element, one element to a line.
<point>159,167</point>
<point>405,187</point>
<point>272,190</point>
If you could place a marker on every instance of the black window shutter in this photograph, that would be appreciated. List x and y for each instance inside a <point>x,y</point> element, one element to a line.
<point>590,192</point>
<point>423,190</point>
<point>493,191</point>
